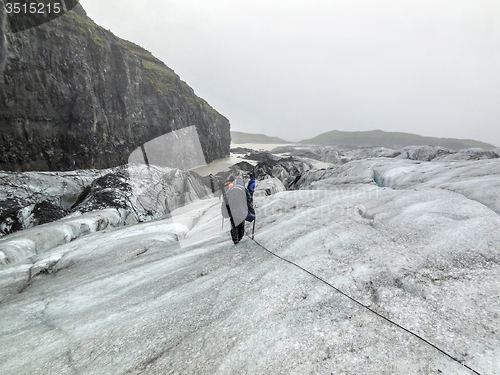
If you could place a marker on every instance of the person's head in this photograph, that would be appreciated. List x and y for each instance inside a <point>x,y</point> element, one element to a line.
<point>252,175</point>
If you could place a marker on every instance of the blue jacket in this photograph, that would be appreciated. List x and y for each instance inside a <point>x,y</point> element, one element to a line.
<point>251,211</point>
<point>251,185</point>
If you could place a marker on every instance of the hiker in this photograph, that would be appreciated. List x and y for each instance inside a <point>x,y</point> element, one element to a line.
<point>238,207</point>
<point>251,184</point>
<point>212,183</point>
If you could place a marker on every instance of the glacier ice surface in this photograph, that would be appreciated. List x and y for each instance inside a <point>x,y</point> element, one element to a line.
<point>422,249</point>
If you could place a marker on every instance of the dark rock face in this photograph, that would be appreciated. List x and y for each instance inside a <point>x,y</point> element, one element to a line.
<point>241,150</point>
<point>74,96</point>
<point>110,190</point>
<point>3,47</point>
<point>242,168</point>
<point>262,156</point>
<point>287,170</point>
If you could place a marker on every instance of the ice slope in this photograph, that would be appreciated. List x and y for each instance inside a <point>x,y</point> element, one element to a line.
<point>478,180</point>
<point>22,245</point>
<point>177,297</point>
<point>28,199</point>
<point>422,153</point>
<point>114,197</point>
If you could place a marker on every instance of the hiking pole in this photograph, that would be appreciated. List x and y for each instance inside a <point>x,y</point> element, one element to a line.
<point>253,230</point>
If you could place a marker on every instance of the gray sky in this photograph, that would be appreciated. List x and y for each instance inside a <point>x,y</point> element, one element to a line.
<point>295,69</point>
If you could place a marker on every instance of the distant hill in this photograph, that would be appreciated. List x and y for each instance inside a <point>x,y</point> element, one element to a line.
<point>379,138</point>
<point>239,137</point>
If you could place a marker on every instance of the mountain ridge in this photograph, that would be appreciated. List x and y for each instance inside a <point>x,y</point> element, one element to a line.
<point>241,137</point>
<point>379,138</point>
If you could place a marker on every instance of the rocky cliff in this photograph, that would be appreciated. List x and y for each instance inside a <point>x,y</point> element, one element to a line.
<point>74,96</point>
<point>3,28</point>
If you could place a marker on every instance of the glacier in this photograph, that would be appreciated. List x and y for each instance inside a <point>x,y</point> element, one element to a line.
<point>416,241</point>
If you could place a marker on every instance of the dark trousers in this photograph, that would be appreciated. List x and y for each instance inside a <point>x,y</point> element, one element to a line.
<point>238,232</point>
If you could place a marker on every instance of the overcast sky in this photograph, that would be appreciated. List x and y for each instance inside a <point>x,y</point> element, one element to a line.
<point>295,69</point>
